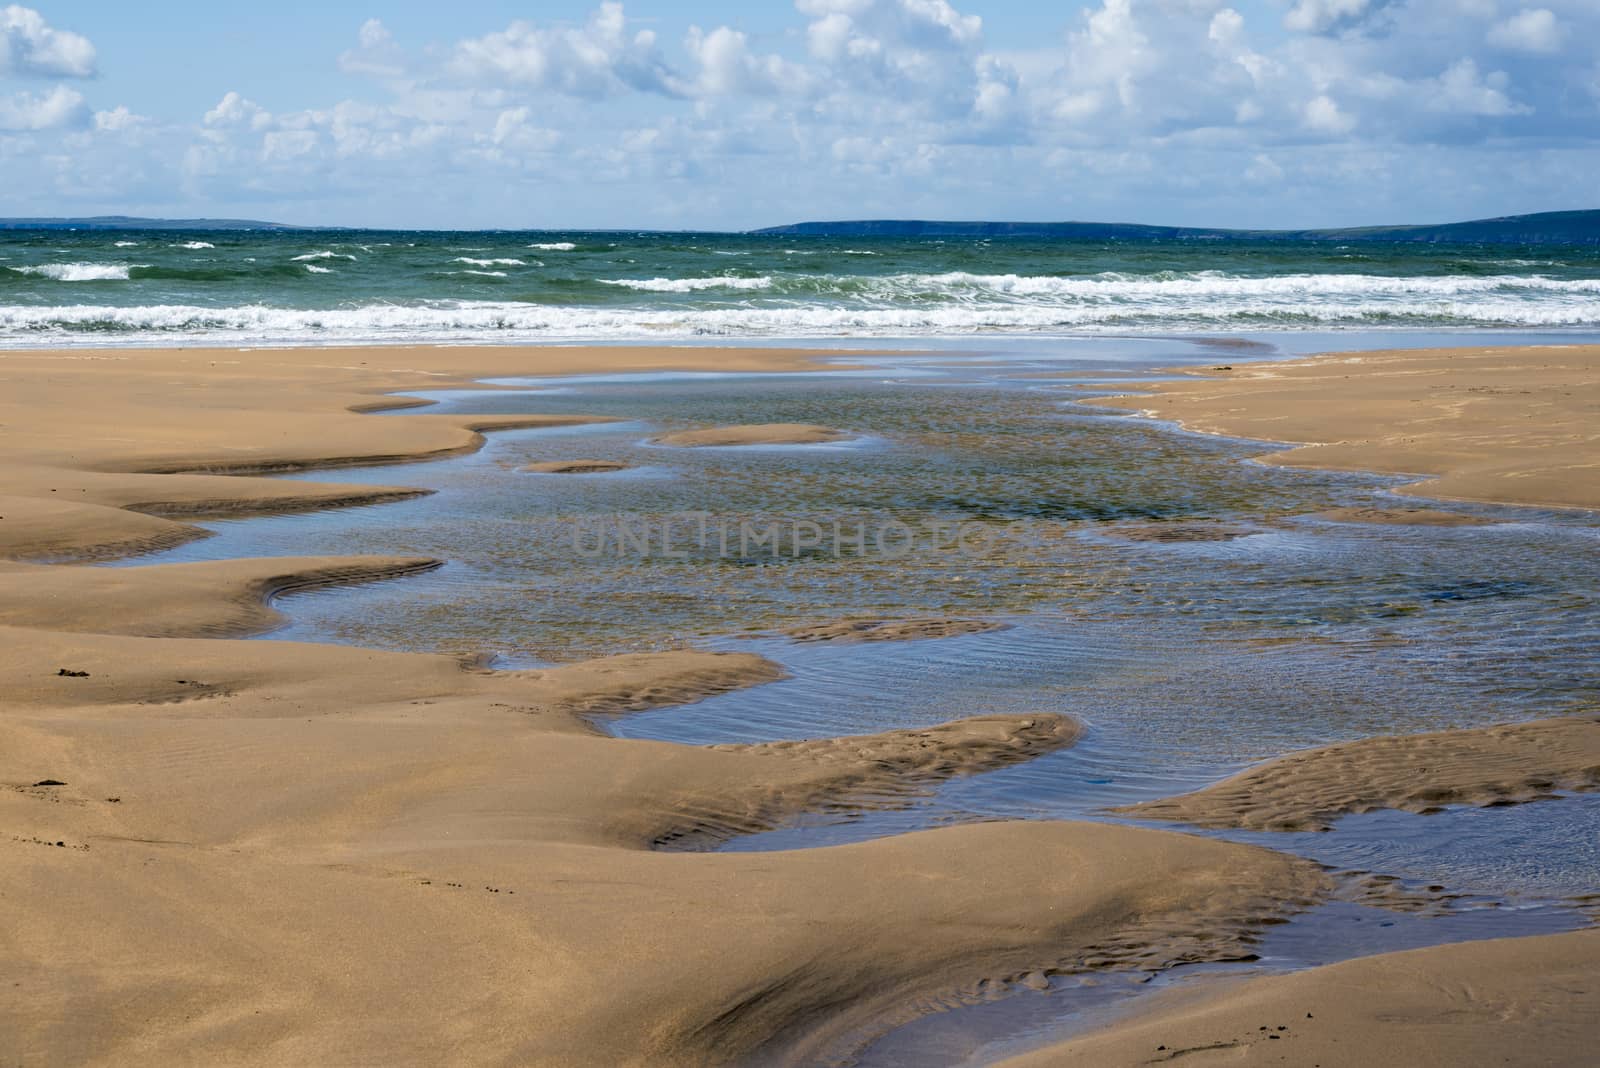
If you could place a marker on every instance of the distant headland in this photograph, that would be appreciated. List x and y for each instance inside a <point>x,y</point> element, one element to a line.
<point>133,222</point>
<point>1545,228</point>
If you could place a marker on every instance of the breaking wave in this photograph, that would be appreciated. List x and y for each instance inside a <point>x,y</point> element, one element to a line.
<point>77,272</point>
<point>686,285</point>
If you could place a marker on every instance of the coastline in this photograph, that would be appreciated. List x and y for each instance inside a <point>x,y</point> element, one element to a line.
<point>376,792</point>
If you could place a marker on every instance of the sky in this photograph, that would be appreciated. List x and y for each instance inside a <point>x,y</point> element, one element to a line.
<point>709,114</point>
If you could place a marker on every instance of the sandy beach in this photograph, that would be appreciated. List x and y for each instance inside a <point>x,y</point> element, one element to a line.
<point>226,851</point>
<point>1504,425</point>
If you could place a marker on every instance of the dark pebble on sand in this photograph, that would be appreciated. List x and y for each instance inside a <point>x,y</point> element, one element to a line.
<point>49,782</point>
<point>70,674</point>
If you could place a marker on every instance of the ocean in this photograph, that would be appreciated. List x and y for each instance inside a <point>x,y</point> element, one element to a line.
<point>353,286</point>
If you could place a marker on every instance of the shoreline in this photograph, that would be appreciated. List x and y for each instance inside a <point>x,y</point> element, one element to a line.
<point>393,795</point>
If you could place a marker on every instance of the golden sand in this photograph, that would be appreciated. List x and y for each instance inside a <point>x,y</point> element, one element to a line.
<point>1505,425</point>
<point>1305,791</point>
<point>1522,1001</point>
<point>575,467</point>
<point>266,852</point>
<point>754,434</point>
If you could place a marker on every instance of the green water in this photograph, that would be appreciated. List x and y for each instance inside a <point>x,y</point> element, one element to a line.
<point>348,286</point>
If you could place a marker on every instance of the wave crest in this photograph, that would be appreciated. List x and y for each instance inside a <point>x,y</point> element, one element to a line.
<point>686,285</point>
<point>79,272</point>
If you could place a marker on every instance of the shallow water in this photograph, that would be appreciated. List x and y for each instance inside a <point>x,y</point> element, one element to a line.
<point>1248,629</point>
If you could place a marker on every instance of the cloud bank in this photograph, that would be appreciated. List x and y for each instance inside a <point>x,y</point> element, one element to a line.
<point>1165,110</point>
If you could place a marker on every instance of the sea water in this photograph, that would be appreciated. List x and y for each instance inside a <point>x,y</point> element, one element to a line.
<point>351,286</point>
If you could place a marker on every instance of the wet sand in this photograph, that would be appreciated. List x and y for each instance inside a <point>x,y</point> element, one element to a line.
<point>574,467</point>
<point>1416,773</point>
<point>1500,425</point>
<point>277,852</point>
<point>1513,426</point>
<point>754,434</point>
<point>266,852</point>
<point>1505,1001</point>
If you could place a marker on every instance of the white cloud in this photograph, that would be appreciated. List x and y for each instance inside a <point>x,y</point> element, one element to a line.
<point>911,55</point>
<point>1461,90</point>
<point>1322,114</point>
<point>1322,16</point>
<point>376,54</point>
<point>514,129</point>
<point>30,47</point>
<point>727,66</point>
<point>1535,31</point>
<point>118,119</point>
<point>893,103</point>
<point>595,60</point>
<point>235,110</point>
<point>60,107</point>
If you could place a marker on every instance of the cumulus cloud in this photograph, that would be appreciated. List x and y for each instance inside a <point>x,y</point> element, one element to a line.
<point>919,53</point>
<point>1323,116</point>
<point>30,47</point>
<point>727,66</point>
<point>596,59</point>
<point>856,98</point>
<point>376,54</point>
<point>60,107</point>
<point>235,110</point>
<point>118,119</point>
<point>1463,90</point>
<point>1325,16</point>
<point>1535,31</point>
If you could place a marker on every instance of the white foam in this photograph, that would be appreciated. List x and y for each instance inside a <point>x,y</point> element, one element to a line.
<point>508,320</point>
<point>195,244</point>
<point>126,244</point>
<point>835,305</point>
<point>79,272</point>
<point>555,246</point>
<point>504,262</point>
<point>324,255</point>
<point>686,285</point>
<point>314,269</point>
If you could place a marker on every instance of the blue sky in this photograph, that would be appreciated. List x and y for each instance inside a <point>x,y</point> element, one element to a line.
<point>726,115</point>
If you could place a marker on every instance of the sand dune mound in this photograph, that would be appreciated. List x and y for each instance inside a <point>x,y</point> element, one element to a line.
<point>212,598</point>
<point>575,467</point>
<point>1306,791</point>
<point>755,434</point>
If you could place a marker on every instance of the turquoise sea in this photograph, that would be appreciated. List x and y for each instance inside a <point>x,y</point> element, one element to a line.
<point>321,286</point>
